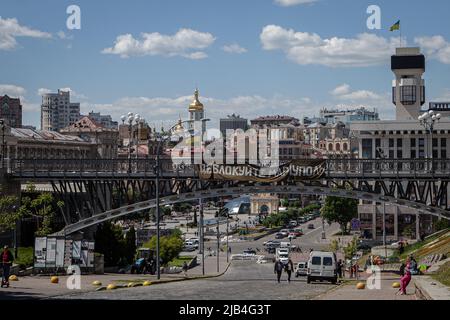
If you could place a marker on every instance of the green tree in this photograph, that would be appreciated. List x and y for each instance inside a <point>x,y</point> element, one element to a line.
<point>334,246</point>
<point>340,210</point>
<point>351,248</point>
<point>110,242</point>
<point>8,213</point>
<point>442,224</point>
<point>169,246</point>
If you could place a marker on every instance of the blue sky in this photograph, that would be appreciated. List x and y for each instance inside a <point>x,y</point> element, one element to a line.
<point>253,57</point>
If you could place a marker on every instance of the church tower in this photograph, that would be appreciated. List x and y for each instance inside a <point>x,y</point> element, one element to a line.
<point>196,113</point>
<point>408,88</point>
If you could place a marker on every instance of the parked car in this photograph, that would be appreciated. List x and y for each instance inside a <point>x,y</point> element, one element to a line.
<point>322,266</point>
<point>249,252</point>
<point>292,235</point>
<point>280,235</point>
<point>293,223</point>
<point>298,232</point>
<point>302,269</point>
<point>310,226</point>
<point>285,232</point>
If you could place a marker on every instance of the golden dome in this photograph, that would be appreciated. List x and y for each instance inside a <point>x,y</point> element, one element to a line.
<point>178,127</point>
<point>196,105</point>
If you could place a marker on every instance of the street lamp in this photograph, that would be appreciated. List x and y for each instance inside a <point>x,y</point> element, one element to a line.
<point>428,120</point>
<point>3,127</point>
<point>131,118</point>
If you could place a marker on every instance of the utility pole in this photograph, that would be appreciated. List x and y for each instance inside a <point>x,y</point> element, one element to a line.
<point>228,225</point>
<point>218,243</point>
<point>202,236</point>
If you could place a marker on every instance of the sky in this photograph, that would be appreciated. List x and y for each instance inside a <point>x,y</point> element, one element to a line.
<point>249,57</point>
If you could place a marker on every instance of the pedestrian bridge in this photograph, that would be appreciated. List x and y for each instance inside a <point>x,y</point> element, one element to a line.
<point>99,190</point>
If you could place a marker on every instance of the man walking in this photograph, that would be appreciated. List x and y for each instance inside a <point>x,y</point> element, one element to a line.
<point>278,269</point>
<point>289,267</point>
<point>185,269</point>
<point>339,269</point>
<point>7,259</point>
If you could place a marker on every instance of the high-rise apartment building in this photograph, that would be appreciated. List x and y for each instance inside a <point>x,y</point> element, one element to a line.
<point>11,111</point>
<point>57,112</point>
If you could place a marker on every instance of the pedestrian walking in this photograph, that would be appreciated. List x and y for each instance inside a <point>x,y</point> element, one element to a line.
<point>278,269</point>
<point>7,259</point>
<point>185,269</point>
<point>404,281</point>
<point>339,268</point>
<point>289,267</point>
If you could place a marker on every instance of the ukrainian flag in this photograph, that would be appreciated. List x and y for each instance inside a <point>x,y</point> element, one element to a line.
<point>396,26</point>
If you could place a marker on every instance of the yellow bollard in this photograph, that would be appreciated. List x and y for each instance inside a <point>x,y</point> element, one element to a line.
<point>360,285</point>
<point>54,279</point>
<point>96,283</point>
<point>396,285</point>
<point>131,285</point>
<point>13,277</point>
<point>147,283</point>
<point>111,286</point>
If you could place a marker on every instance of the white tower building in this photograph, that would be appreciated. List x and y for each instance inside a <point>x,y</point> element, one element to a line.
<point>408,88</point>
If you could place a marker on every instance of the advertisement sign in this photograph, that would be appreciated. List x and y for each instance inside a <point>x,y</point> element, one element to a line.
<point>91,255</point>
<point>60,249</point>
<point>84,253</point>
<point>68,252</point>
<point>306,169</point>
<point>76,250</point>
<point>40,252</point>
<point>356,224</point>
<point>51,253</point>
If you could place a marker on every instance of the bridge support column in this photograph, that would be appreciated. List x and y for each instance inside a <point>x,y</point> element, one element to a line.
<point>374,222</point>
<point>396,223</point>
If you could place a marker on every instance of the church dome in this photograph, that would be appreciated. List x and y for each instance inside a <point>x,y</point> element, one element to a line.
<point>196,105</point>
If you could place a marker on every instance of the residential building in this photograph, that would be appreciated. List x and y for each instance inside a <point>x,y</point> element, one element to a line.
<point>58,112</point>
<point>11,111</point>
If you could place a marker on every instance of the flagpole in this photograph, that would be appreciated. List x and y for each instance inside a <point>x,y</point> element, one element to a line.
<point>400,28</point>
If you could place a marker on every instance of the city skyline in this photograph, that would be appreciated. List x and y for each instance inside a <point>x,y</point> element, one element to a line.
<point>292,58</point>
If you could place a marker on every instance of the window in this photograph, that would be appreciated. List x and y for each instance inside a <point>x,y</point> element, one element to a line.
<point>421,142</point>
<point>443,142</point>
<point>399,154</point>
<point>413,143</point>
<point>316,261</point>
<point>377,143</point>
<point>391,154</point>
<point>435,143</point>
<point>327,261</point>
<point>399,143</point>
<point>391,143</point>
<point>408,95</point>
<point>443,154</point>
<point>435,154</point>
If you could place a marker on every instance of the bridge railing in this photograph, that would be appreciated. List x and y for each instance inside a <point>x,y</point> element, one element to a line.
<point>350,167</point>
<point>381,167</point>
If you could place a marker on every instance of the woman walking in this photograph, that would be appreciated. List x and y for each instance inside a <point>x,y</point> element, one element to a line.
<point>404,281</point>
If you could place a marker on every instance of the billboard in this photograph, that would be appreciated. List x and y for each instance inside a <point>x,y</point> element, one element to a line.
<point>40,252</point>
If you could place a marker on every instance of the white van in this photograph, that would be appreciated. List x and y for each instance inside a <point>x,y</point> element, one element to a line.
<point>322,266</point>
<point>282,255</point>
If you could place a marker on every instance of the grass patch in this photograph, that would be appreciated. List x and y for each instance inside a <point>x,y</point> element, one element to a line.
<point>24,257</point>
<point>443,274</point>
<point>178,262</point>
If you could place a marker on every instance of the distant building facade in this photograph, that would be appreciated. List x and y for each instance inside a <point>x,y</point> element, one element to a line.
<point>58,112</point>
<point>233,122</point>
<point>105,120</point>
<point>11,111</point>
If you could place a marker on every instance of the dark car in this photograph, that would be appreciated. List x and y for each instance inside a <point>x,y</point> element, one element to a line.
<point>310,226</point>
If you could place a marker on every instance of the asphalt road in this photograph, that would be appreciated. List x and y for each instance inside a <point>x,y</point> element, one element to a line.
<point>244,280</point>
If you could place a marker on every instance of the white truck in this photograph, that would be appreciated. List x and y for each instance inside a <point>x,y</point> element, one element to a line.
<point>282,254</point>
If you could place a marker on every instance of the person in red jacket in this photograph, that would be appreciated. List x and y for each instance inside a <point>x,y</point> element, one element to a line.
<point>7,259</point>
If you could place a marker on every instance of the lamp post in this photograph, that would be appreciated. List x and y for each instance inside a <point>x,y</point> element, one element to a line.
<point>131,118</point>
<point>383,156</point>
<point>228,226</point>
<point>428,120</point>
<point>3,127</point>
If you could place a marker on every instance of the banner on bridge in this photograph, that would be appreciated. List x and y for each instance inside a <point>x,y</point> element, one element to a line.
<point>307,169</point>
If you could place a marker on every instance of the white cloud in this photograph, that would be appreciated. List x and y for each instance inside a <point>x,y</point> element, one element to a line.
<point>42,91</point>
<point>309,48</point>
<point>435,47</point>
<point>340,90</point>
<point>10,29</point>
<point>185,43</point>
<point>289,3</point>
<point>12,90</point>
<point>234,48</point>
<point>73,94</point>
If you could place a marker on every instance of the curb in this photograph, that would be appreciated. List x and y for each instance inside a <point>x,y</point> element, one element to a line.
<point>156,282</point>
<point>420,292</point>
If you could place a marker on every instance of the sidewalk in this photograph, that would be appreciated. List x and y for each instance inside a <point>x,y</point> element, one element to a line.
<point>348,291</point>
